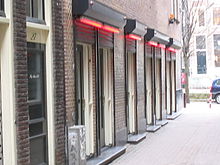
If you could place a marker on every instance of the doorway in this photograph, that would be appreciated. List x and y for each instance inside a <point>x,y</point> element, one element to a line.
<point>149,87</point>
<point>173,87</point>
<point>84,88</point>
<point>158,88</point>
<point>168,89</point>
<point>131,93</point>
<point>106,120</point>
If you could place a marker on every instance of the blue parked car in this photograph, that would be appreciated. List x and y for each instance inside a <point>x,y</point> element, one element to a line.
<point>215,91</point>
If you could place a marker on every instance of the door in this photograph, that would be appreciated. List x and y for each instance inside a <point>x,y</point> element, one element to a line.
<point>131,93</point>
<point>84,87</point>
<point>149,90</point>
<point>173,88</point>
<point>168,90</point>
<point>37,103</point>
<point>107,101</point>
<point>158,89</point>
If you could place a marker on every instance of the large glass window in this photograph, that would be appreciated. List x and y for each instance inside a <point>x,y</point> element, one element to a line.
<point>216,39</point>
<point>37,104</point>
<point>35,9</point>
<point>216,16</point>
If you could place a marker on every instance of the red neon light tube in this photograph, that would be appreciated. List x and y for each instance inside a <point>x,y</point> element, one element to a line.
<point>171,49</point>
<point>161,46</point>
<point>134,37</point>
<point>91,22</point>
<point>152,43</point>
<point>110,29</point>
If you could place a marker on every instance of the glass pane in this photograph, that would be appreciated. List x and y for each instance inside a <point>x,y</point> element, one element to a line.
<point>1,5</point>
<point>216,38</point>
<point>200,42</point>
<point>28,8</point>
<point>38,150</point>
<point>36,111</point>
<point>35,129</point>
<point>201,18</point>
<point>38,9</point>
<point>35,77</point>
<point>201,62</point>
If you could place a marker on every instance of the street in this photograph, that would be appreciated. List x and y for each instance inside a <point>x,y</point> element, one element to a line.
<point>191,139</point>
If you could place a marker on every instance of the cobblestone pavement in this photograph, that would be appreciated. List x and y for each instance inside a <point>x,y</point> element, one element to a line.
<point>191,139</point>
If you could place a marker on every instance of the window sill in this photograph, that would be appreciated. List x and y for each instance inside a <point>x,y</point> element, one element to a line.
<point>35,20</point>
<point>4,20</point>
<point>37,26</point>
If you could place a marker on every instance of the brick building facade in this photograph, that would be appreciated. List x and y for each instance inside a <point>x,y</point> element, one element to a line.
<point>62,67</point>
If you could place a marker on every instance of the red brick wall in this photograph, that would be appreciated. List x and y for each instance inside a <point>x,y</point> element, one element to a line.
<point>21,81</point>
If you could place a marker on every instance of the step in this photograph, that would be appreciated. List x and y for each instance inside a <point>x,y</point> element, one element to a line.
<point>153,128</point>
<point>107,156</point>
<point>136,138</point>
<point>161,122</point>
<point>173,116</point>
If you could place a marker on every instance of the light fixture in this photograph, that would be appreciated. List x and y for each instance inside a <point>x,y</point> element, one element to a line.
<point>91,22</point>
<point>110,29</point>
<point>134,37</point>
<point>171,49</point>
<point>161,46</point>
<point>152,43</point>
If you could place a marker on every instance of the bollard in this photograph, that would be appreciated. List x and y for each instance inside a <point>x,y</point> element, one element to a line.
<point>77,145</point>
<point>210,100</point>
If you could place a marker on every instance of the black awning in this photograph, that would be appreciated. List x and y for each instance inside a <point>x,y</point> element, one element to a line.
<point>156,36</point>
<point>133,26</point>
<point>98,11</point>
<point>174,44</point>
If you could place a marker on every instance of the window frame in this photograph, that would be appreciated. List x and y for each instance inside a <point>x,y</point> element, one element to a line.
<point>34,19</point>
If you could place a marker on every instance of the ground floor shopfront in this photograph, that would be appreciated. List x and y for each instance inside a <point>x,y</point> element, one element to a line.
<point>125,84</point>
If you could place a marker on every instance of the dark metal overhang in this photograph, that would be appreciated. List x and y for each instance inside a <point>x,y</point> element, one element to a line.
<point>98,11</point>
<point>156,36</point>
<point>174,44</point>
<point>133,26</point>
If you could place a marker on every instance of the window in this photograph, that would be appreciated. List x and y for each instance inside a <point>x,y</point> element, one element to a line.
<point>217,83</point>
<point>174,9</point>
<point>37,104</point>
<point>201,17</point>
<point>201,62</point>
<point>35,9</point>
<point>216,16</point>
<point>216,39</point>
<point>200,42</point>
<point>201,54</point>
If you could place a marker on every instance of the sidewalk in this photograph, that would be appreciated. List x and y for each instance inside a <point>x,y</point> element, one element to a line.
<point>191,139</point>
